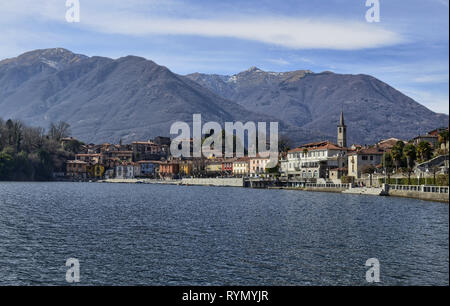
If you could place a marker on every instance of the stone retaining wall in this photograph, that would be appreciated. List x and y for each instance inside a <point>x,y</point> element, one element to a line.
<point>428,196</point>
<point>229,182</point>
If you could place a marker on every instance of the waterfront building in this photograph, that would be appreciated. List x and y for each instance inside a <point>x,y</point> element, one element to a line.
<point>148,168</point>
<point>185,168</point>
<point>284,165</point>
<point>241,166</point>
<point>315,160</point>
<point>127,170</point>
<point>95,171</point>
<point>112,159</point>
<point>168,169</point>
<point>257,165</point>
<point>227,165</point>
<point>76,169</point>
<point>89,158</point>
<point>335,174</point>
<point>359,159</point>
<point>214,167</point>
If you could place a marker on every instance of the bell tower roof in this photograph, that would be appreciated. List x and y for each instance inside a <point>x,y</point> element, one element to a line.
<point>341,119</point>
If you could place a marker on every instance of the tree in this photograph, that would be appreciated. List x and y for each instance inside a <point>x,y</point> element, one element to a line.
<point>369,169</point>
<point>33,139</point>
<point>424,150</point>
<point>443,139</point>
<point>59,131</point>
<point>347,179</point>
<point>273,170</point>
<point>26,153</point>
<point>397,154</point>
<point>388,165</point>
<point>435,169</point>
<point>5,164</point>
<point>284,144</point>
<point>410,153</point>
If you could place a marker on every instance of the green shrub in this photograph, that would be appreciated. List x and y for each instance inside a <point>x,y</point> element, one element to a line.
<point>442,180</point>
<point>346,179</point>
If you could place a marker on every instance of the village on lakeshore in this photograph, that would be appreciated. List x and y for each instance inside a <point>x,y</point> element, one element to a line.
<point>419,161</point>
<point>415,167</point>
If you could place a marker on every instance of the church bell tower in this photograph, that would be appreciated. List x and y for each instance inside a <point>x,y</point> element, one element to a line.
<point>342,132</point>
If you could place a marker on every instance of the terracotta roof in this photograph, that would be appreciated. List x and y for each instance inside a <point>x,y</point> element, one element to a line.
<point>230,160</point>
<point>242,159</point>
<point>314,146</point>
<point>388,143</point>
<point>368,151</point>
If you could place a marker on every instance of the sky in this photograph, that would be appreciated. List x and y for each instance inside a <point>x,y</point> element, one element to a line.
<point>408,48</point>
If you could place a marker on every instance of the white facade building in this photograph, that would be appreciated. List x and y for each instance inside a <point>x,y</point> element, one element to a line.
<point>314,160</point>
<point>127,171</point>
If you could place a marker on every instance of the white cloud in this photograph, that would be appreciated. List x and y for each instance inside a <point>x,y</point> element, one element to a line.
<point>294,33</point>
<point>281,31</point>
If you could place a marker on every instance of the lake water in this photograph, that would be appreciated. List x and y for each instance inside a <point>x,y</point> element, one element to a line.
<point>136,234</point>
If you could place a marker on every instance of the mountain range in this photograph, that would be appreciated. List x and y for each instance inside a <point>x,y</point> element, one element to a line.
<point>132,98</point>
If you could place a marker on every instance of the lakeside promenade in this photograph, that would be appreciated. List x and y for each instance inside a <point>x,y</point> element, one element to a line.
<point>422,192</point>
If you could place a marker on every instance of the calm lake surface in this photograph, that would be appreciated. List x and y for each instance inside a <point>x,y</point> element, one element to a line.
<point>136,234</point>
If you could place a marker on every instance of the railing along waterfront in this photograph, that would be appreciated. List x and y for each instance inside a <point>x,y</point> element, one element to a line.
<point>327,185</point>
<point>420,188</point>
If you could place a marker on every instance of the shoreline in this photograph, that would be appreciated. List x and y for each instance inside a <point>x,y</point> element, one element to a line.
<point>430,197</point>
<point>439,198</point>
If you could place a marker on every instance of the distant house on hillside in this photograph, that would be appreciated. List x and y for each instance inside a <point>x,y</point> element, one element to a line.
<point>436,132</point>
<point>388,144</point>
<point>432,139</point>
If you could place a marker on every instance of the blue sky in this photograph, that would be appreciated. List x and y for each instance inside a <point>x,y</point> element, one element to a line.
<point>408,48</point>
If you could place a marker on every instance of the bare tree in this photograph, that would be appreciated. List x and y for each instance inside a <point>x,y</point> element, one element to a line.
<point>59,130</point>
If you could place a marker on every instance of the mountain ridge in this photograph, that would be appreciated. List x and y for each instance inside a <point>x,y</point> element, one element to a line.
<point>132,98</point>
<point>314,100</point>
